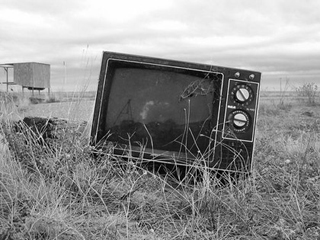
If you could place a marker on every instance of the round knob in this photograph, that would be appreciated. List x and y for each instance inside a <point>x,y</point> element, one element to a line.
<point>242,94</point>
<point>240,120</point>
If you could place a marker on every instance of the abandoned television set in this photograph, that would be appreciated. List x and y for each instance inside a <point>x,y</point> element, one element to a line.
<point>167,111</point>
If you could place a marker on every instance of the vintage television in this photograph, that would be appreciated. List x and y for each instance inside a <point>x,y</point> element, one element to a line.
<point>182,113</point>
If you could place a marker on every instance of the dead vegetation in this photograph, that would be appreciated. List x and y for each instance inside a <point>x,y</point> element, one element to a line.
<point>56,189</point>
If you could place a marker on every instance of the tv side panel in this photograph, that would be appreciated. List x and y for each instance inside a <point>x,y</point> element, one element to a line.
<point>97,130</point>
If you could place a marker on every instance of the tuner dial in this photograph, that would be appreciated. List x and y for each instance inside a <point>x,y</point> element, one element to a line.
<point>242,94</point>
<point>240,120</point>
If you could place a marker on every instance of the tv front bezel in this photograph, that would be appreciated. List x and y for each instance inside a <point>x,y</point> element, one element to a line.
<point>98,135</point>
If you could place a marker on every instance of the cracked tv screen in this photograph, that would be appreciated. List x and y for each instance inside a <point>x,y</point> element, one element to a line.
<point>161,109</point>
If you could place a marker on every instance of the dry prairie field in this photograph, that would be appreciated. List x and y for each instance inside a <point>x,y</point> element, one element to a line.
<point>58,190</point>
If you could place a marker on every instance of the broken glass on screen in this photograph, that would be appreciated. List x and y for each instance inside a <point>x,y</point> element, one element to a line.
<point>162,109</point>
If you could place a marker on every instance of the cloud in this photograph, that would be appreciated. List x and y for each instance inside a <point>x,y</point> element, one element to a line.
<point>277,37</point>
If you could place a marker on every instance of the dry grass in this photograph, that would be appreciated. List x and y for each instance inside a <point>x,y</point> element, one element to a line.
<point>59,191</point>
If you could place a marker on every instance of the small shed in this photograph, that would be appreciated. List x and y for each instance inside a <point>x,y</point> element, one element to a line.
<point>30,75</point>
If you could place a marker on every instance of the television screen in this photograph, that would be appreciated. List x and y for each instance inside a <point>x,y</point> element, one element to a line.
<point>169,111</point>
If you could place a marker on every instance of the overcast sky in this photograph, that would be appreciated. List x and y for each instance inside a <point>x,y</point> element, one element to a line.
<point>280,38</point>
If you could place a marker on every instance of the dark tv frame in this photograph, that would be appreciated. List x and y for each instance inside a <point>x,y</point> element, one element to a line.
<point>229,151</point>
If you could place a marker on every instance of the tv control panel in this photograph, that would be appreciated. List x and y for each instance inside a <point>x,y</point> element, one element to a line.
<point>241,110</point>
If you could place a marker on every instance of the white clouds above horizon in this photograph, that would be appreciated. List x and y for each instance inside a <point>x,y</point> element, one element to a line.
<point>278,37</point>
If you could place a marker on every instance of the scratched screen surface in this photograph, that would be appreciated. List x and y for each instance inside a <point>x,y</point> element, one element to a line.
<point>161,109</point>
